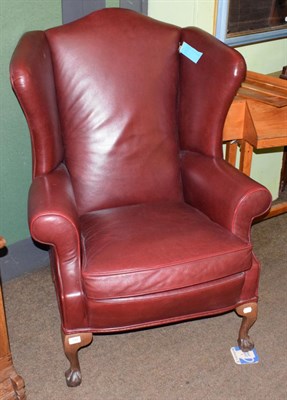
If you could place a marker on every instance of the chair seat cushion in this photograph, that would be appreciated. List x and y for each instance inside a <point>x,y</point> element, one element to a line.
<point>155,247</point>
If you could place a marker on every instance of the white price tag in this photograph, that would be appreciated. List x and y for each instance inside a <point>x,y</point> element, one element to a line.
<point>74,340</point>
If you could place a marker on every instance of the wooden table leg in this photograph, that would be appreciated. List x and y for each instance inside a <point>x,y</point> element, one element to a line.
<point>11,384</point>
<point>231,152</point>
<point>245,157</point>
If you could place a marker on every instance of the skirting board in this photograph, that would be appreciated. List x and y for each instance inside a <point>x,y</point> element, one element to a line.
<point>22,257</point>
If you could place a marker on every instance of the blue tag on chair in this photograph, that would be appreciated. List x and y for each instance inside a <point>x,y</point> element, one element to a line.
<point>190,52</point>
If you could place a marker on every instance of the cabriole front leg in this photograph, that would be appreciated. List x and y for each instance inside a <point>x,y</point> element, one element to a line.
<point>72,344</point>
<point>248,312</point>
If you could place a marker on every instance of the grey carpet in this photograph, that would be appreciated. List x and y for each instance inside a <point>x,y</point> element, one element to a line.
<point>191,360</point>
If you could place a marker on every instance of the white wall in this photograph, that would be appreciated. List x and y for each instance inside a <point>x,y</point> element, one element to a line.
<point>184,12</point>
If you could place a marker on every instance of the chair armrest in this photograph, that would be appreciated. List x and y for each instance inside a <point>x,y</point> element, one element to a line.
<point>223,193</point>
<point>52,211</point>
<point>53,220</point>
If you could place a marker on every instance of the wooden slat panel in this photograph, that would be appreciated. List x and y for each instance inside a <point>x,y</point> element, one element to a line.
<point>266,79</point>
<point>255,94</point>
<point>277,209</point>
<point>265,88</point>
<point>270,125</point>
<point>234,123</point>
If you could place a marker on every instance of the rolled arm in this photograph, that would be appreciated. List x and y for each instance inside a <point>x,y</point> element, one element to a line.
<point>223,193</point>
<point>52,211</point>
<point>53,220</point>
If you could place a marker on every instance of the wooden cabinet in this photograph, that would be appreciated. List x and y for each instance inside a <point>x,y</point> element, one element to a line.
<point>11,384</point>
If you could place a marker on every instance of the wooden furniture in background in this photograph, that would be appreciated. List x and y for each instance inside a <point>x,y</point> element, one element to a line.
<point>11,384</point>
<point>283,177</point>
<point>257,119</point>
<point>283,74</point>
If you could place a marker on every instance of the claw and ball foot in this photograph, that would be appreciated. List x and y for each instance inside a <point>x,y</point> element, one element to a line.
<point>248,312</point>
<point>72,343</point>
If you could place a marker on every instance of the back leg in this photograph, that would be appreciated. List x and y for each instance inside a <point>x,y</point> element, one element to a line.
<point>248,312</point>
<point>72,343</point>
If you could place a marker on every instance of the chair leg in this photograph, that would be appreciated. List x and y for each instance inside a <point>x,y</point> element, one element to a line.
<point>72,343</point>
<point>249,313</point>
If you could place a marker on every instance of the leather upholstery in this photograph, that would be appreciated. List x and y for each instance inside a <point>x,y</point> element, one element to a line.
<point>160,233</point>
<point>122,141</point>
<point>147,223</point>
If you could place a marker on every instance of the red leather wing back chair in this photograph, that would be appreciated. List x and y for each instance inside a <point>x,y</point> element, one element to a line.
<point>147,223</point>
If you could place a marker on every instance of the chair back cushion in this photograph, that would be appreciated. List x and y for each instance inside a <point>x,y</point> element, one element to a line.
<point>116,88</point>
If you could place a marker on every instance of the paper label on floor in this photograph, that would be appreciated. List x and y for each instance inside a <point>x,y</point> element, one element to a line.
<point>248,357</point>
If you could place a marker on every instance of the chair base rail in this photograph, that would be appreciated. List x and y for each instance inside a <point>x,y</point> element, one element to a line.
<point>72,343</point>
